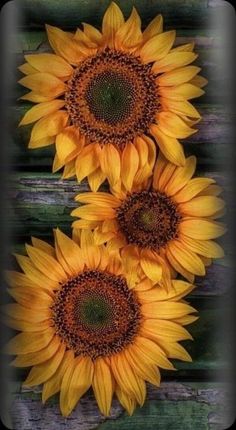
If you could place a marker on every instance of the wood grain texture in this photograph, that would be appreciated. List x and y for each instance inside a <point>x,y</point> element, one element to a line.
<point>174,406</point>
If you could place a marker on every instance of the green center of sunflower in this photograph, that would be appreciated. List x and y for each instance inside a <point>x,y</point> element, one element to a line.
<point>96,314</point>
<point>94,311</point>
<point>112,97</point>
<point>149,219</point>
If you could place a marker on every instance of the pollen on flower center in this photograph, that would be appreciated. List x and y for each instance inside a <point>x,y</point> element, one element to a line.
<point>149,219</point>
<point>96,314</point>
<point>112,97</point>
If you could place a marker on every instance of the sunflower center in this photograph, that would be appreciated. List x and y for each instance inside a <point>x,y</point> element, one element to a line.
<point>96,314</point>
<point>149,219</point>
<point>112,97</point>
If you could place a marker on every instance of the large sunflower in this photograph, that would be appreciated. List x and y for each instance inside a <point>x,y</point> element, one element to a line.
<point>84,323</point>
<point>105,96</point>
<point>166,226</point>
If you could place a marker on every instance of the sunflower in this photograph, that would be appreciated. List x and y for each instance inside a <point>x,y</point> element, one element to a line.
<point>84,323</point>
<point>103,97</point>
<point>165,226</point>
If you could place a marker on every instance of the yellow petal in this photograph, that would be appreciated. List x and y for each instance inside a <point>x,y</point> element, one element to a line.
<point>24,344</point>
<point>202,206</point>
<point>53,385</point>
<point>102,385</point>
<point>40,280</point>
<point>199,81</point>
<point>126,401</point>
<point>44,84</point>
<point>36,98</point>
<point>65,384</point>
<point>192,188</point>
<point>113,19</point>
<point>40,143</point>
<point>150,265</point>
<point>31,297</point>
<point>174,350</point>
<point>64,45</point>
<point>181,107</point>
<point>91,253</point>
<point>187,47</point>
<point>201,229</point>
<point>110,163</point>
<point>180,92</point>
<point>85,42</point>
<point>188,259</point>
<point>87,161</point>
<point>157,47</point>
<point>150,352</point>
<point>178,290</point>
<point>181,176</point>
<point>169,146</point>
<point>178,267</point>
<point>83,223</point>
<point>166,176</point>
<point>80,382</point>
<point>49,126</point>
<point>207,248</point>
<point>44,371</point>
<point>92,33</point>
<point>172,125</point>
<point>173,60</point>
<point>129,165</point>
<point>95,179</point>
<point>178,76</point>
<point>68,144</point>
<point>44,246</point>
<point>50,63</point>
<point>154,27</point>
<point>164,329</point>
<point>33,358</point>
<point>187,319</point>
<point>41,110</point>
<point>46,264</point>
<point>99,198</point>
<point>212,189</point>
<point>127,379</point>
<point>129,34</point>
<point>166,310</point>
<point>22,313</point>
<point>70,252</point>
<point>26,326</point>
<point>94,213</point>
<point>17,279</point>
<point>27,69</point>
<point>145,370</point>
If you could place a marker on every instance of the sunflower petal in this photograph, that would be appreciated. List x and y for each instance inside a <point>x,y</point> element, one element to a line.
<point>180,92</point>
<point>151,266</point>
<point>47,264</point>
<point>178,76</point>
<point>201,229</point>
<point>64,45</point>
<point>166,310</point>
<point>207,248</point>
<point>188,259</point>
<point>202,206</point>
<point>126,401</point>
<point>191,188</point>
<point>103,385</point>
<point>98,198</point>
<point>41,110</point>
<point>68,144</point>
<point>70,252</point>
<point>181,176</point>
<point>154,28</point>
<point>110,157</point>
<point>87,161</point>
<point>169,146</point>
<point>157,47</point>
<point>181,107</point>
<point>50,63</point>
<point>129,165</point>
<point>24,344</point>
<point>34,358</point>
<point>48,127</point>
<point>44,84</point>
<point>113,19</point>
<point>173,60</point>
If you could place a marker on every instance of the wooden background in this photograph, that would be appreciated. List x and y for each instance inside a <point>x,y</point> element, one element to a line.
<point>198,396</point>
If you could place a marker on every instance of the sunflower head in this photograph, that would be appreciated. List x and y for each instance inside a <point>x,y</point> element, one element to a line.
<point>163,227</point>
<point>85,323</point>
<point>107,97</point>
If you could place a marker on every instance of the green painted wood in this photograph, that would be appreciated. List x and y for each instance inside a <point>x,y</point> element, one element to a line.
<point>214,133</point>
<point>193,13</point>
<point>173,406</point>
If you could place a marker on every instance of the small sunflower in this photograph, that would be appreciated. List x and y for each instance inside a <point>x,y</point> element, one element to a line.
<point>84,323</point>
<point>107,96</point>
<point>166,226</point>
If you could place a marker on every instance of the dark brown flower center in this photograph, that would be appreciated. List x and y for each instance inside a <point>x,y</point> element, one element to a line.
<point>96,314</point>
<point>112,97</point>
<point>149,219</point>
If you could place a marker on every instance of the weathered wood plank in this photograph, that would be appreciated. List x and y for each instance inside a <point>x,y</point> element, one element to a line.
<point>215,132</point>
<point>174,405</point>
<point>192,13</point>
